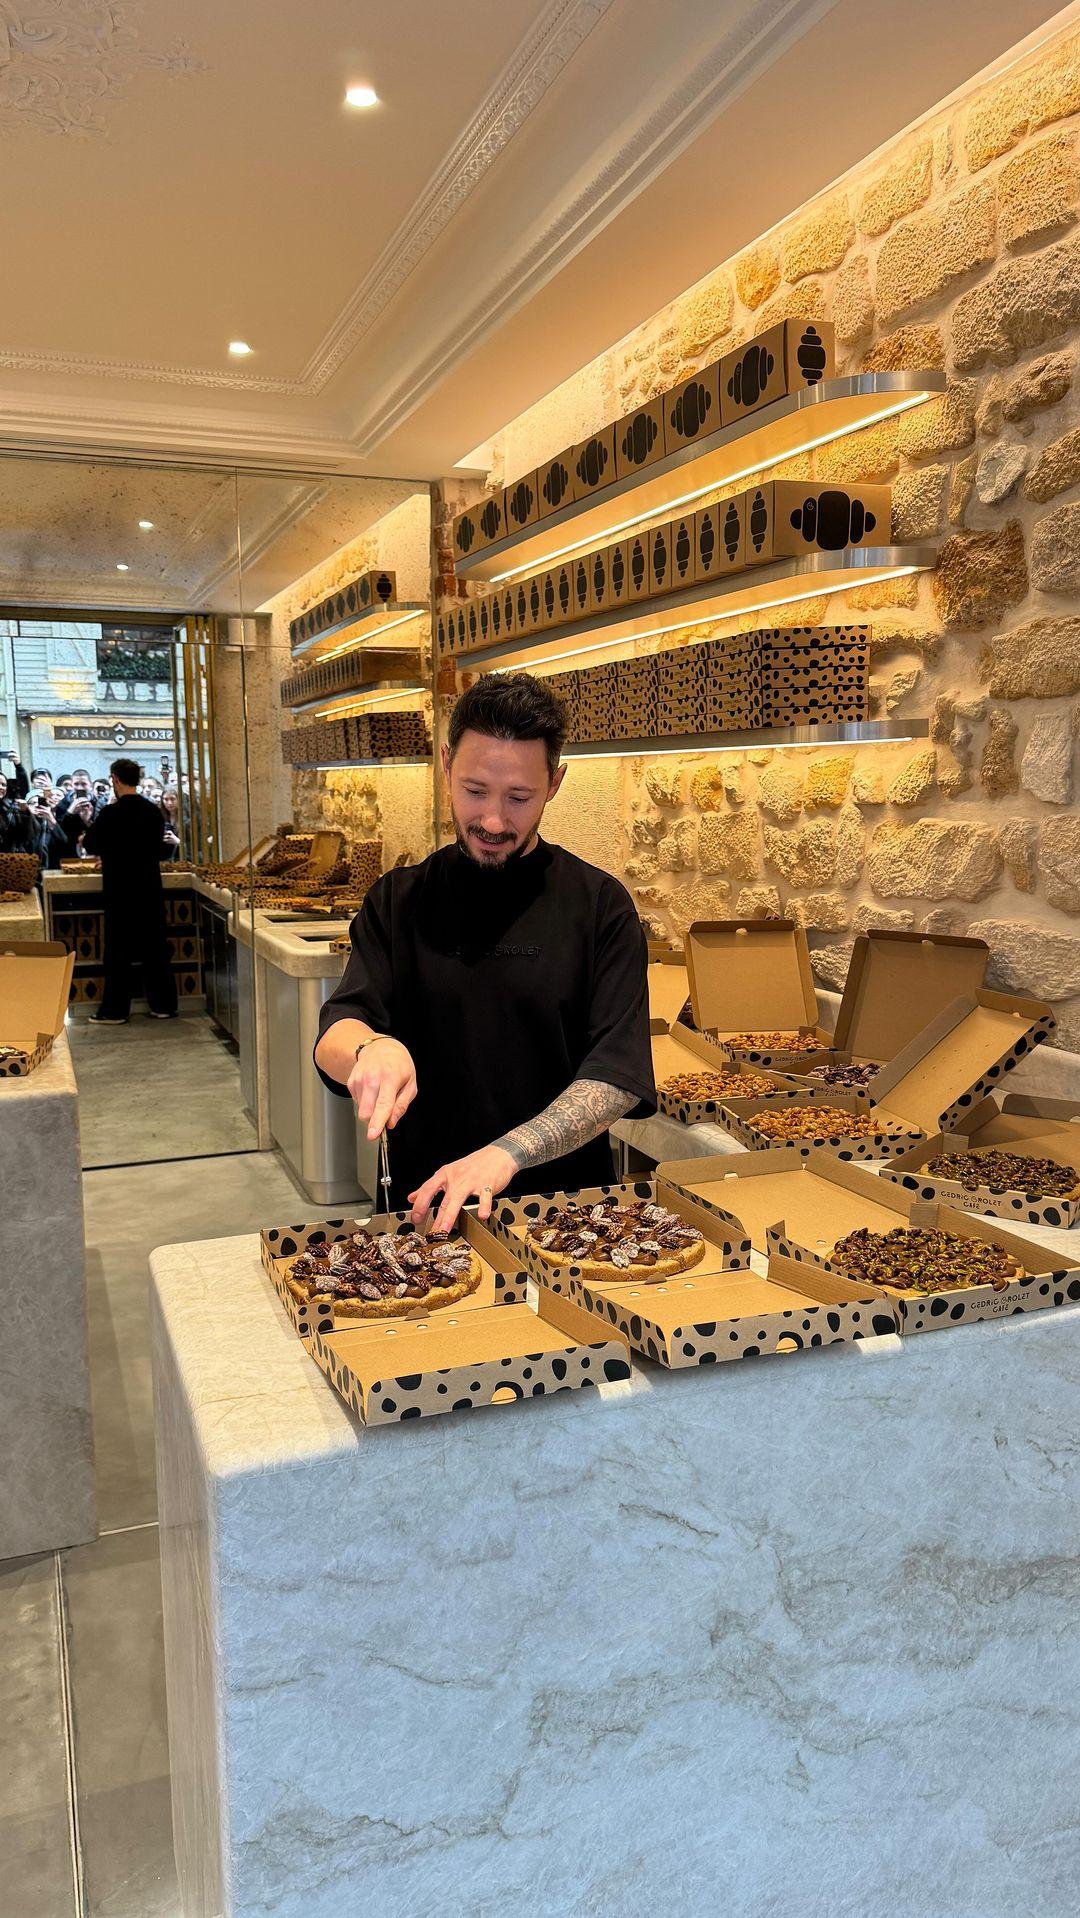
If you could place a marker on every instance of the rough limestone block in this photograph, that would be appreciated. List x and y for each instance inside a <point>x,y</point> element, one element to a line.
<point>1018,839</point>
<point>821,911</point>
<point>1055,551</point>
<point>1038,660</point>
<point>1025,302</point>
<point>1042,383</point>
<point>819,242</point>
<point>933,859</point>
<point>914,780</point>
<point>1046,767</point>
<point>1045,90</point>
<point>931,251</point>
<point>663,778</point>
<point>1029,958</point>
<point>1059,859</point>
<point>960,488</point>
<point>1000,471</point>
<point>804,857</point>
<point>677,850</point>
<point>1056,469</point>
<point>827,780</point>
<point>997,769</point>
<point>1037,190</point>
<point>853,301</point>
<point>758,902</point>
<point>978,574</point>
<point>780,790</point>
<point>870,918</point>
<point>945,424</point>
<point>915,348</point>
<point>757,273</point>
<point>918,503</point>
<point>902,188</point>
<point>729,843</point>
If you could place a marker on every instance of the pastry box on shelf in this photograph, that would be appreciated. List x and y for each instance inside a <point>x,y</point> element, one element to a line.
<point>702,1318</point>
<point>35,980</point>
<point>752,992</point>
<point>727,1248</point>
<point>897,982</point>
<point>1016,1158</point>
<point>786,519</point>
<point>492,1348</point>
<point>790,357</point>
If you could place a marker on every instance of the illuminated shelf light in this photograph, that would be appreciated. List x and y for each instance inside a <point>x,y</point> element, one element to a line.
<point>762,589</point>
<point>354,765</point>
<point>376,621</point>
<point>750,446</point>
<point>360,698</point>
<point>838,732</point>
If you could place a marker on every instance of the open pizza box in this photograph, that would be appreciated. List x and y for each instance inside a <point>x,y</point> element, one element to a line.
<point>753,975</point>
<point>35,980</point>
<point>727,1246</point>
<point>740,1117</point>
<point>325,850</point>
<point>1034,1128</point>
<point>669,988</point>
<point>959,1057</point>
<point>703,1316</point>
<point>802,1208</point>
<point>898,982</point>
<point>457,1361</point>
<point>504,1281</point>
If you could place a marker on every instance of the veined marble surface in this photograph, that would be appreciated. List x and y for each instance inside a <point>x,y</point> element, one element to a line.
<point>21,918</point>
<point>794,1639</point>
<point>46,1446</point>
<point>281,942</point>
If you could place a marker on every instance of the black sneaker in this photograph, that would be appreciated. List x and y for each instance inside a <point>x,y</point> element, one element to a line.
<point>99,1019</point>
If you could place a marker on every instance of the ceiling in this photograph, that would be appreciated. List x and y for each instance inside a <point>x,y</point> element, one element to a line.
<point>539,177</point>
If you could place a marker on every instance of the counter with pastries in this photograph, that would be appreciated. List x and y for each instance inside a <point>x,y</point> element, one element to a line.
<point>743,1625</point>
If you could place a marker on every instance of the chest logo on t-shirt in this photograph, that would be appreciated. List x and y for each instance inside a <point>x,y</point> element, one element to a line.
<point>496,952</point>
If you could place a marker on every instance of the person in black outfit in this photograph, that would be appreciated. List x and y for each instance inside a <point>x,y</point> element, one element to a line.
<point>127,837</point>
<point>16,828</point>
<point>493,1013</point>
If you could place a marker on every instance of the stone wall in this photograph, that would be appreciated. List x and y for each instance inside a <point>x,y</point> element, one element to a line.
<point>955,248</point>
<point>392,804</point>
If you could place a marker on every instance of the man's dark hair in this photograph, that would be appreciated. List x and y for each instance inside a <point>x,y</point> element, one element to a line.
<point>127,771</point>
<point>511,706</point>
<point>41,772</point>
<point>64,776</point>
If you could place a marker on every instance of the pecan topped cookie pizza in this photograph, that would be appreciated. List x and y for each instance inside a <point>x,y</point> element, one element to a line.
<point>608,1240</point>
<point>383,1276</point>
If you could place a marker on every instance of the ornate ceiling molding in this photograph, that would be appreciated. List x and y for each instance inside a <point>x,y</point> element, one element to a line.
<point>535,66</point>
<point>79,365</point>
<point>63,61</point>
<point>755,42</point>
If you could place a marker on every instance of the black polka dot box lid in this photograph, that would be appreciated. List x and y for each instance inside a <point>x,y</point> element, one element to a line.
<point>1014,1157</point>
<point>702,1318</point>
<point>35,981</point>
<point>555,1236</point>
<point>934,1264</point>
<point>490,1348</point>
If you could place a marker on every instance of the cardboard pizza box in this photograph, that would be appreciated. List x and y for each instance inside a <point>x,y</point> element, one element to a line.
<point>1019,1124</point>
<point>959,1057</point>
<point>704,1318</point>
<point>802,1208</point>
<point>753,975</point>
<point>727,1246</point>
<point>459,1361</point>
<point>669,985</point>
<point>35,980</point>
<point>897,983</point>
<point>792,356</point>
<point>681,1050</point>
<point>740,1117</point>
<point>504,1281</point>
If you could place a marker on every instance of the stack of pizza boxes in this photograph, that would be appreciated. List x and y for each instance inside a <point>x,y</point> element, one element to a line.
<point>814,673</point>
<point>636,695</point>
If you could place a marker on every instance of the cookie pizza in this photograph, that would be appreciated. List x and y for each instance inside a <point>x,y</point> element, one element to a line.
<point>381,1277</point>
<point>607,1240</point>
<point>917,1259</point>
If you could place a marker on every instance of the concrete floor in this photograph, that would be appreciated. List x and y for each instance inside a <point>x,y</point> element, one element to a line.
<point>85,1823</point>
<point>157,1089</point>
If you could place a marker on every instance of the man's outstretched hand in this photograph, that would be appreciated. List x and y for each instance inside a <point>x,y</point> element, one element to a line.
<point>383,1084</point>
<point>479,1176</point>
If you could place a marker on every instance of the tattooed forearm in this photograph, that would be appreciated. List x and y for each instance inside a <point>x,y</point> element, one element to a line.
<point>579,1114</point>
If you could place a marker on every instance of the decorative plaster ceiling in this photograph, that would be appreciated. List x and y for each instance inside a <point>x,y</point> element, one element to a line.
<point>540,178</point>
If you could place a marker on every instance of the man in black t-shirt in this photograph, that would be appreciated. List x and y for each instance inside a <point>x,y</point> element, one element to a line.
<point>493,1013</point>
<point>128,836</point>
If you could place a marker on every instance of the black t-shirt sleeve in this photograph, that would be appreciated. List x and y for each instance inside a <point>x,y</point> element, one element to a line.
<point>366,989</point>
<point>619,1046</point>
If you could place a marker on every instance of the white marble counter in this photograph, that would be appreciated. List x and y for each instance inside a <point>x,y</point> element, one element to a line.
<point>298,947</point>
<point>791,1638</point>
<point>90,881</point>
<point>46,1475</point>
<point>22,918</point>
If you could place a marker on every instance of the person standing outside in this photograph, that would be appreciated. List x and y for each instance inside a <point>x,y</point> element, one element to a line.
<point>493,1014</point>
<point>128,838</point>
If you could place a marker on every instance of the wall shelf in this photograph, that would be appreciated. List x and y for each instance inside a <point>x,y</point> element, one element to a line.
<point>750,446</point>
<point>761,589</point>
<point>364,629</point>
<point>361,696</point>
<point>354,765</point>
<point>830,732</point>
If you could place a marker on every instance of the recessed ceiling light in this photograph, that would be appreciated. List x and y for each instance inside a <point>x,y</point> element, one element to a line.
<point>121,568</point>
<point>361,97</point>
<point>240,348</point>
<point>147,525</point>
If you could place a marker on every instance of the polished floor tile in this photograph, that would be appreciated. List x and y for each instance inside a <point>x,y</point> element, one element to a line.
<point>36,1874</point>
<point>129,1211</point>
<point>157,1089</point>
<point>117,1675</point>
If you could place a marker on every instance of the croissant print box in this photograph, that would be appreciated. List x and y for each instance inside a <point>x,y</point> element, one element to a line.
<point>792,356</point>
